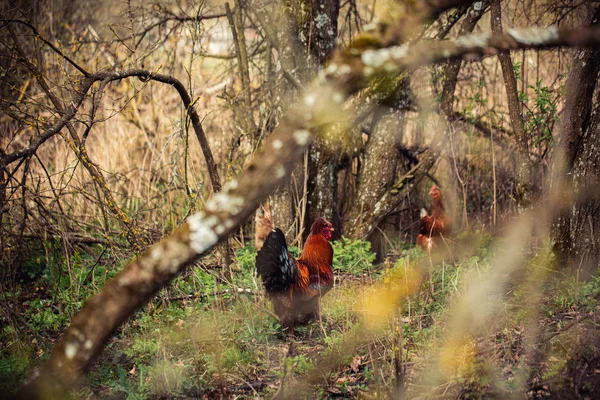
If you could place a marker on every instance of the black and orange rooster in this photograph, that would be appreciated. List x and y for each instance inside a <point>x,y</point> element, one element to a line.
<point>436,226</point>
<point>295,286</point>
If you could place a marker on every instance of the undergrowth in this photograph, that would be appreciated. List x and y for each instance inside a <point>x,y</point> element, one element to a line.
<point>206,335</point>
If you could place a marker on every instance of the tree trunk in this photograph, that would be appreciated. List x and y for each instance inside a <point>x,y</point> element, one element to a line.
<point>524,188</point>
<point>575,230</point>
<point>283,207</point>
<point>322,184</point>
<point>578,242</point>
<point>319,36</point>
<point>379,168</point>
<point>319,29</point>
<point>281,29</point>
<point>316,31</point>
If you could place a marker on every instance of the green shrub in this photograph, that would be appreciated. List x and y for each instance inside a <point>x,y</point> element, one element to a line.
<point>352,256</point>
<point>246,257</point>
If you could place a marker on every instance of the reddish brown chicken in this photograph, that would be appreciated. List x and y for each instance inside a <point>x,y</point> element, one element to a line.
<point>436,226</point>
<point>295,286</point>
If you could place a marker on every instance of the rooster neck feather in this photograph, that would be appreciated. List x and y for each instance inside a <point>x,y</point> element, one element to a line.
<point>317,253</point>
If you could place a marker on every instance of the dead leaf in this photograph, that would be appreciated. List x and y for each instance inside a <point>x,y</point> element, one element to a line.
<point>334,390</point>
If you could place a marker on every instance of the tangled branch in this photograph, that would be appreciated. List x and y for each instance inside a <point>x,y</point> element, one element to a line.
<point>79,96</point>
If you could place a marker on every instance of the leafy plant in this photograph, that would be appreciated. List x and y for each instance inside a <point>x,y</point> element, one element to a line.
<point>352,256</point>
<point>541,117</point>
<point>517,70</point>
<point>246,257</point>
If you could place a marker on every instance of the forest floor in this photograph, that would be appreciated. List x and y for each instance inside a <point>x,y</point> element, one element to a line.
<point>207,338</point>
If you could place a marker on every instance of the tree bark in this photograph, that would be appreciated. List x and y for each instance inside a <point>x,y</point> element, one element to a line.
<point>322,184</point>
<point>313,27</point>
<point>524,187</point>
<point>379,168</point>
<point>577,243</point>
<point>575,230</point>
<point>318,35</point>
<point>321,27</point>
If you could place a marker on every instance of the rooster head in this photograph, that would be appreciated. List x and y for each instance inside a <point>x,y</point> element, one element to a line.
<point>322,226</point>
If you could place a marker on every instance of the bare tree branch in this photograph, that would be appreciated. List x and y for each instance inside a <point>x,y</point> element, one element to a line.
<point>79,96</point>
<point>162,21</point>
<point>353,70</point>
<point>452,20</point>
<point>48,43</point>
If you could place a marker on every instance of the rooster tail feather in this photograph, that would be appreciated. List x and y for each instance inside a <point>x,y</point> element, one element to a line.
<point>264,226</point>
<point>267,213</point>
<point>274,264</point>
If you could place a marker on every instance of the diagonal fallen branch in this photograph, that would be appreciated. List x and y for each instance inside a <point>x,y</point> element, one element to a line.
<point>129,290</point>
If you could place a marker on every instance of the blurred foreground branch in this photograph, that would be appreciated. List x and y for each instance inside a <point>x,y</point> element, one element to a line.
<point>352,69</point>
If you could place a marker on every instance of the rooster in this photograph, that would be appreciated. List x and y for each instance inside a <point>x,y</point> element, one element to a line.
<point>435,226</point>
<point>295,286</point>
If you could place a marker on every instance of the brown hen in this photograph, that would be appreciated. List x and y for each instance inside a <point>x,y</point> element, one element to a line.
<point>434,227</point>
